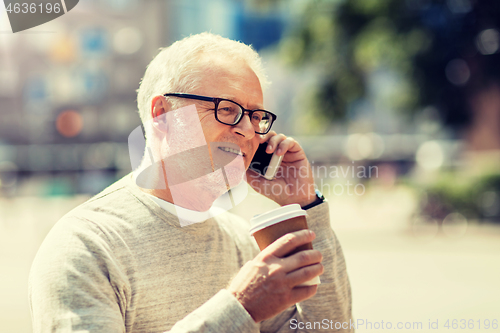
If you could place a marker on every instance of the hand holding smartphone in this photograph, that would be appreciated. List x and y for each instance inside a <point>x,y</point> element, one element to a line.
<point>265,164</point>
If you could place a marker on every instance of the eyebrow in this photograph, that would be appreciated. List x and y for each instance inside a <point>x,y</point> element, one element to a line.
<point>232,98</point>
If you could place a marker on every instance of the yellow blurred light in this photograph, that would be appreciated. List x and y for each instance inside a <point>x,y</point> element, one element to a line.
<point>364,146</point>
<point>351,147</point>
<point>63,50</point>
<point>377,144</point>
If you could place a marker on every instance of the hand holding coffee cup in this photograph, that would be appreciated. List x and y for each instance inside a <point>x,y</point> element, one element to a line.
<point>268,227</point>
<point>267,285</point>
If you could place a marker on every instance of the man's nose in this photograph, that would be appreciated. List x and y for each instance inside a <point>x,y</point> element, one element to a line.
<point>245,127</point>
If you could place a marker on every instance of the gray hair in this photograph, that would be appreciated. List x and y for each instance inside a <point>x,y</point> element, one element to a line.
<point>174,69</point>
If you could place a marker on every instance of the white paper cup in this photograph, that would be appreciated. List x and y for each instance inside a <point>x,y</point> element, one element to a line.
<point>268,227</point>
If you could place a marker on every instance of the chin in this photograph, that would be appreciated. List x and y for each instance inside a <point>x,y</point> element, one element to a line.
<point>235,171</point>
<point>234,176</point>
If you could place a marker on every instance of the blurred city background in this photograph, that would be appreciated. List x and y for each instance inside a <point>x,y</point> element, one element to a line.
<point>396,102</point>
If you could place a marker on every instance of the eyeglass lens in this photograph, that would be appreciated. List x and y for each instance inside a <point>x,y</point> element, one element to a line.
<point>230,113</point>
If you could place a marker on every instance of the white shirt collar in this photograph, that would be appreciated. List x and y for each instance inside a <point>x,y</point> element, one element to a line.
<point>189,215</point>
<point>222,204</point>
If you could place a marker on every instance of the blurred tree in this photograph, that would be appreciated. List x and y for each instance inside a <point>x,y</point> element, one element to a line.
<point>443,53</point>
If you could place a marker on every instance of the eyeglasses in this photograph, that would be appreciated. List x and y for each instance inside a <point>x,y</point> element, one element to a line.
<point>230,113</point>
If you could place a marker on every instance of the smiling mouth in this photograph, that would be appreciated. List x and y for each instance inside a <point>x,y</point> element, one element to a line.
<point>231,150</point>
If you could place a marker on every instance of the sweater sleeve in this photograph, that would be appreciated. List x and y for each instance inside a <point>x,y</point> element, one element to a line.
<point>73,285</point>
<point>330,308</point>
<point>77,284</point>
<point>221,313</point>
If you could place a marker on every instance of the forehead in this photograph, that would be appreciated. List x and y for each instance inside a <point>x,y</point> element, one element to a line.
<point>229,78</point>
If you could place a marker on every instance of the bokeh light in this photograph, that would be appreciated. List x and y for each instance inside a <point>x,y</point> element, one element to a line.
<point>63,49</point>
<point>457,72</point>
<point>455,225</point>
<point>69,123</point>
<point>127,40</point>
<point>459,6</point>
<point>489,202</point>
<point>364,146</point>
<point>488,41</point>
<point>430,155</point>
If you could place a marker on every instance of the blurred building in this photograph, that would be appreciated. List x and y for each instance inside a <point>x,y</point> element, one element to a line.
<point>68,87</point>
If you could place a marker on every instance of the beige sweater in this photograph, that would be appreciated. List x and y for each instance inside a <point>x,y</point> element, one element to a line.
<point>120,263</point>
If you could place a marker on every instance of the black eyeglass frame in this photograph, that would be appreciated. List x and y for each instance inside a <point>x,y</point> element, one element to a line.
<point>216,102</point>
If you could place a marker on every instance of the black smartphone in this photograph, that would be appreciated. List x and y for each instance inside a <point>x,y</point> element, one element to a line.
<point>265,164</point>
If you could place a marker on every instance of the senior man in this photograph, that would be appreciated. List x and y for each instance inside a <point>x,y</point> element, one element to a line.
<point>124,261</point>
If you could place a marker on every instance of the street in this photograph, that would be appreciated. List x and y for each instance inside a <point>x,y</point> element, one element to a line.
<point>397,277</point>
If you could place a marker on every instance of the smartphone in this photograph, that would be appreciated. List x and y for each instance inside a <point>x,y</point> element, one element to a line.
<point>265,164</point>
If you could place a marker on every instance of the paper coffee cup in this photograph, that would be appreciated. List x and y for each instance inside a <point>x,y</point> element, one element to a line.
<point>268,227</point>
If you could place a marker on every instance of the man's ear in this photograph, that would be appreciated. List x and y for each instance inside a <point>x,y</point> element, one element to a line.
<point>159,108</point>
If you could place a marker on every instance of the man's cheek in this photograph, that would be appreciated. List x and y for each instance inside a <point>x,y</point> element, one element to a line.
<point>208,126</point>
<point>251,152</point>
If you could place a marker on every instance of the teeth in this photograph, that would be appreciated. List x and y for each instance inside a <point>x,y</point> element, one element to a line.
<point>230,150</point>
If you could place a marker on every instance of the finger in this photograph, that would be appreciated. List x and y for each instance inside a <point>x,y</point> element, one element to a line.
<point>287,145</point>
<point>266,137</point>
<point>285,244</point>
<point>273,142</point>
<point>300,294</point>
<point>302,259</point>
<point>304,274</point>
